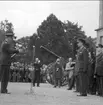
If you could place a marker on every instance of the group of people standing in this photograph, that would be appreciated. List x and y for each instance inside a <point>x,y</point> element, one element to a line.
<point>88,70</point>
<point>85,74</point>
<point>8,51</point>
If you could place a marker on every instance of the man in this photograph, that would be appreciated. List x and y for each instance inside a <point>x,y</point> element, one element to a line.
<point>37,70</point>
<point>82,62</point>
<point>6,51</point>
<point>99,70</point>
<point>57,73</point>
<point>69,68</point>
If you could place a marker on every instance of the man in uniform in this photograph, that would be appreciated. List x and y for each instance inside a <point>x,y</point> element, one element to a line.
<point>82,60</point>
<point>99,70</point>
<point>6,52</point>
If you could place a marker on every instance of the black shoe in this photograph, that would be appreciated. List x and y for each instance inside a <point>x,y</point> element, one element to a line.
<point>82,95</point>
<point>5,92</point>
<point>69,89</point>
<point>54,87</point>
<point>75,91</point>
<point>8,93</point>
<point>93,93</point>
<point>38,86</point>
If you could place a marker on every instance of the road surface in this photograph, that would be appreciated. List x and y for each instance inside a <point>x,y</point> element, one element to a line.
<point>45,95</point>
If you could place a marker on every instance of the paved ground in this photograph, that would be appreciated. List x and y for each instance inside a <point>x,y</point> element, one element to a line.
<point>45,95</point>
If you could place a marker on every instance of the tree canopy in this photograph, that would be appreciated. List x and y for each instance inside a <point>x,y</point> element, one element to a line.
<point>57,36</point>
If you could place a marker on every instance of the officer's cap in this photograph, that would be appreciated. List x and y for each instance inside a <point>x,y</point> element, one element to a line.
<point>9,33</point>
<point>82,41</point>
<point>100,45</point>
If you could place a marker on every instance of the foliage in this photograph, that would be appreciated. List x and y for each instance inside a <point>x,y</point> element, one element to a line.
<point>73,32</point>
<point>56,36</point>
<point>23,57</point>
<point>6,25</point>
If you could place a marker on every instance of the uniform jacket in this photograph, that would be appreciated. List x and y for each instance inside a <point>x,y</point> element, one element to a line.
<point>6,52</point>
<point>81,61</point>
<point>99,64</point>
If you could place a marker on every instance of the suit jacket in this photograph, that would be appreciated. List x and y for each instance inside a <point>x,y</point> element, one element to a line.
<point>82,60</point>
<point>57,72</point>
<point>37,67</point>
<point>99,65</point>
<point>6,52</point>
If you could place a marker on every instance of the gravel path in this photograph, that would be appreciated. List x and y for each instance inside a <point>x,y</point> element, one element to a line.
<point>45,95</point>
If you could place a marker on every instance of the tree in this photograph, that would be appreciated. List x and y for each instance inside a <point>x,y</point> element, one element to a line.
<point>52,36</point>
<point>6,25</point>
<point>73,32</point>
<point>57,37</point>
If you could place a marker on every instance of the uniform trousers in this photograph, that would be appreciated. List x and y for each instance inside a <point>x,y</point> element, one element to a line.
<point>4,77</point>
<point>77,83</point>
<point>100,85</point>
<point>83,83</point>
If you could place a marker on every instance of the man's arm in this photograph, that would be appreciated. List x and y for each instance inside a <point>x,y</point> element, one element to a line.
<point>85,55</point>
<point>8,49</point>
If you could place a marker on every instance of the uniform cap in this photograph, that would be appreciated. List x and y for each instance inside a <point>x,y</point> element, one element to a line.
<point>82,41</point>
<point>100,45</point>
<point>9,33</point>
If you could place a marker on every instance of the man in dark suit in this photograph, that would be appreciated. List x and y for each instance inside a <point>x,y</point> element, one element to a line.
<point>37,70</point>
<point>82,61</point>
<point>99,70</point>
<point>6,51</point>
<point>57,73</point>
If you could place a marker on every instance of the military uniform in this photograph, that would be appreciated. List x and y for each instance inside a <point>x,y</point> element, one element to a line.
<point>99,73</point>
<point>6,52</point>
<point>82,63</point>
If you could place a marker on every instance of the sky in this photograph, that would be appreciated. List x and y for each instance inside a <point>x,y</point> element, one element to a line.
<point>26,16</point>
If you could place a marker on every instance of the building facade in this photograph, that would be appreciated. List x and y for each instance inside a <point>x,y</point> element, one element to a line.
<point>100,29</point>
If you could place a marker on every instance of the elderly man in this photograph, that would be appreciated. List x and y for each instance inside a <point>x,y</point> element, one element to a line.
<point>69,68</point>
<point>57,73</point>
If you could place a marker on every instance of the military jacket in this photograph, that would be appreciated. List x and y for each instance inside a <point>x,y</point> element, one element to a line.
<point>99,64</point>
<point>82,60</point>
<point>6,52</point>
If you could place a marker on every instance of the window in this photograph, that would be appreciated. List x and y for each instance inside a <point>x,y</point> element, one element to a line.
<point>101,40</point>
